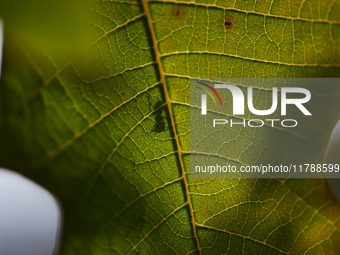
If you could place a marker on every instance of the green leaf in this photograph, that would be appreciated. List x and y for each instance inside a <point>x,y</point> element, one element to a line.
<point>108,131</point>
<point>58,22</point>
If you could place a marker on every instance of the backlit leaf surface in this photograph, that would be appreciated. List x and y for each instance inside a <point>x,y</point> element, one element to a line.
<point>108,131</point>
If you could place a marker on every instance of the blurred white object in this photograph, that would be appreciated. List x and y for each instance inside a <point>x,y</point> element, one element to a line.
<point>333,153</point>
<point>333,157</point>
<point>30,217</point>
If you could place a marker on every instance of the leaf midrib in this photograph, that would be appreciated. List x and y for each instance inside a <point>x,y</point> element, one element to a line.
<point>158,56</point>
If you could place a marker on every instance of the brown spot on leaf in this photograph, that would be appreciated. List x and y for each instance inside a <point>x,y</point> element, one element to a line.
<point>228,24</point>
<point>177,13</point>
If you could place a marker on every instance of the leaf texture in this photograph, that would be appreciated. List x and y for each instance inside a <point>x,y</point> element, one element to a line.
<point>108,131</point>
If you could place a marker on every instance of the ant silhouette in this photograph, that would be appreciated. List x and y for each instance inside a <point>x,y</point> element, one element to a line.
<point>159,126</point>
